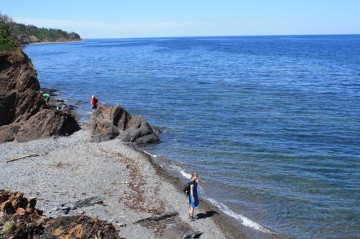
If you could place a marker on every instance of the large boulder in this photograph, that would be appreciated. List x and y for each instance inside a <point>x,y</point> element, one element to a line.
<point>9,132</point>
<point>109,122</point>
<point>16,106</point>
<point>44,124</point>
<point>24,115</point>
<point>139,131</point>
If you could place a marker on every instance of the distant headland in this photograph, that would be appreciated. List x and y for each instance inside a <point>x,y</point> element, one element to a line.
<point>27,34</point>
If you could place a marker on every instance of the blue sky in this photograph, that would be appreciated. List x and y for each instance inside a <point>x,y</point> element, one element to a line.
<point>164,18</point>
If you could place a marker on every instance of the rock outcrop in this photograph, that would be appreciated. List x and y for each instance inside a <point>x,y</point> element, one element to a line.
<point>20,219</point>
<point>109,122</point>
<point>24,115</point>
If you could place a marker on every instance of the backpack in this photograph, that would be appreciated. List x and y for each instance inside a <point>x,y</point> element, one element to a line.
<point>186,188</point>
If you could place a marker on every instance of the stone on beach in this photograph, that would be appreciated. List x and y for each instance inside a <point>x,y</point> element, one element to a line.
<point>109,122</point>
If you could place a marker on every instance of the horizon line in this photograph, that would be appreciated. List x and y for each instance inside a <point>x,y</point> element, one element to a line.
<point>264,35</point>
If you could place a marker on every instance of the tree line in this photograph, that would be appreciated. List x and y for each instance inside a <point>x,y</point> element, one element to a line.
<point>26,34</point>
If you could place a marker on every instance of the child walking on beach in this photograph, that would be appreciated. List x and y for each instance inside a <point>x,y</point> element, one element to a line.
<point>193,195</point>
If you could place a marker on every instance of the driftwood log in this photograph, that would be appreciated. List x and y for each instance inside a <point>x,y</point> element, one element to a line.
<point>21,157</point>
<point>157,218</point>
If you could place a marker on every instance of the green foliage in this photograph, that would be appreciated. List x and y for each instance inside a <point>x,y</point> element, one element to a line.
<point>11,31</point>
<point>8,226</point>
<point>7,42</point>
<point>45,34</point>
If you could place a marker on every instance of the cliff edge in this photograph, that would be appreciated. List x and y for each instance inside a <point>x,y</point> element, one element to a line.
<point>24,114</point>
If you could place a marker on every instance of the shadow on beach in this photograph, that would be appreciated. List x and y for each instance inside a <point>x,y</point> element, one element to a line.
<point>206,214</point>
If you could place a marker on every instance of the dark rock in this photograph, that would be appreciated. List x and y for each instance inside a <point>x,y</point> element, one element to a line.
<point>28,103</point>
<point>17,72</point>
<point>7,107</point>
<point>7,207</point>
<point>139,132</point>
<point>196,234</point>
<point>88,202</point>
<point>47,123</point>
<point>103,130</point>
<point>21,222</point>
<point>148,139</point>
<point>109,122</point>
<point>19,99</point>
<point>10,202</point>
<point>24,115</point>
<point>79,227</point>
<point>8,132</point>
<point>66,210</point>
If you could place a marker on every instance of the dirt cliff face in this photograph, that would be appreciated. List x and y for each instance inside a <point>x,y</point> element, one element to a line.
<point>20,100</point>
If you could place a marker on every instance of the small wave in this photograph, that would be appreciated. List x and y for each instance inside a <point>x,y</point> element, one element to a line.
<point>185,174</point>
<point>244,220</point>
<point>151,155</point>
<point>182,172</point>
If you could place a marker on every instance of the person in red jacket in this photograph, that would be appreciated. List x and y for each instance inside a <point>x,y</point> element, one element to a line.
<point>94,101</point>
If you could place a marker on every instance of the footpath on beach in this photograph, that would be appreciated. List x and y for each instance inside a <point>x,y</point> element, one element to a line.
<point>108,181</point>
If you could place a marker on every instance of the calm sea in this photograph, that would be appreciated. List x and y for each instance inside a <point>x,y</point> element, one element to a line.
<point>272,124</point>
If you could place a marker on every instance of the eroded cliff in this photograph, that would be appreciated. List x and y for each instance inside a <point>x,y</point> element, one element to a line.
<point>21,103</point>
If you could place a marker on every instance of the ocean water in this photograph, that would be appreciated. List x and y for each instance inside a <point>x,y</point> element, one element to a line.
<point>271,124</point>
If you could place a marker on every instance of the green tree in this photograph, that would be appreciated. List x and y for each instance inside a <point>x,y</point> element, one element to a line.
<point>7,41</point>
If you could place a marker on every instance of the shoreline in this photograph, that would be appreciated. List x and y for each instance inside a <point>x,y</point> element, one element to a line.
<point>69,169</point>
<point>230,226</point>
<point>131,185</point>
<point>52,42</point>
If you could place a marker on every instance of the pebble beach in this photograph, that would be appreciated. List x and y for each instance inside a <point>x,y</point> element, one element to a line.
<point>127,185</point>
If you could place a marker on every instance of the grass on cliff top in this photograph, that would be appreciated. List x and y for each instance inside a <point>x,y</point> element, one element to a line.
<point>7,43</point>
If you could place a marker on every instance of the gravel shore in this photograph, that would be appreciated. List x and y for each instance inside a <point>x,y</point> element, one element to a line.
<point>110,180</point>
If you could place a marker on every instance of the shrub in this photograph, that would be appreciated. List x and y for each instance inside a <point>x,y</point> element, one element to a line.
<point>7,41</point>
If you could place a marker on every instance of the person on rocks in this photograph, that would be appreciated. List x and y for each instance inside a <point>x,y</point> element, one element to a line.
<point>193,195</point>
<point>94,102</point>
<point>46,97</point>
